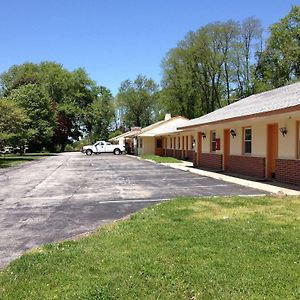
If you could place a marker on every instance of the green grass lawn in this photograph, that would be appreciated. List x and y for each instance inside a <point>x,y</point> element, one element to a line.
<point>161,159</point>
<point>214,248</point>
<point>10,160</point>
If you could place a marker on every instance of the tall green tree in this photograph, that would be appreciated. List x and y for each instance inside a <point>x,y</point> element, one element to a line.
<point>246,51</point>
<point>72,93</point>
<point>138,101</point>
<point>279,63</point>
<point>39,108</point>
<point>18,75</point>
<point>13,124</point>
<point>99,115</point>
<point>210,68</point>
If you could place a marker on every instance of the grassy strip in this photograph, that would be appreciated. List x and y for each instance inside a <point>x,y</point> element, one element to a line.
<point>161,159</point>
<point>10,160</point>
<point>215,248</point>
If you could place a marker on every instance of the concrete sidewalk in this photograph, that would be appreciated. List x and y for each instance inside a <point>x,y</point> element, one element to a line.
<point>269,188</point>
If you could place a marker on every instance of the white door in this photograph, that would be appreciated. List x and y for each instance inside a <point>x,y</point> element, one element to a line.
<point>100,147</point>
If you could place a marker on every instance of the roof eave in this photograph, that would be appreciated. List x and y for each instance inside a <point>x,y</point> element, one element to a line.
<point>257,115</point>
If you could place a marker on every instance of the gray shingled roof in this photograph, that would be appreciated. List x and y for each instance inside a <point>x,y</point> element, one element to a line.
<point>270,101</point>
<point>169,126</point>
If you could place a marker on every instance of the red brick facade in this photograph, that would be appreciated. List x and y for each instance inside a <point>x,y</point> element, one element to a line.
<point>178,154</point>
<point>181,154</point>
<point>169,152</point>
<point>247,165</point>
<point>190,155</point>
<point>288,170</point>
<point>211,161</point>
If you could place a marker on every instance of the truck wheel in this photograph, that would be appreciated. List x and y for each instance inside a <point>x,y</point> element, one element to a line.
<point>117,152</point>
<point>88,152</point>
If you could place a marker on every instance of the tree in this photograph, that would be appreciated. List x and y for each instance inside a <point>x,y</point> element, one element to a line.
<point>198,73</point>
<point>251,36</point>
<point>39,108</point>
<point>71,94</point>
<point>210,67</point>
<point>18,75</point>
<point>279,63</point>
<point>99,115</point>
<point>139,101</point>
<point>13,124</point>
<point>181,89</point>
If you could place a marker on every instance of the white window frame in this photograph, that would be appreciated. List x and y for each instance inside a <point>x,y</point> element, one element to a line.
<point>213,141</point>
<point>247,140</point>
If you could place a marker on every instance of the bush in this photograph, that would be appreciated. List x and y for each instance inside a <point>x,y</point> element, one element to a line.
<point>69,148</point>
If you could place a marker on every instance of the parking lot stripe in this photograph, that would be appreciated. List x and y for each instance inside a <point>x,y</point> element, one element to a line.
<point>133,201</point>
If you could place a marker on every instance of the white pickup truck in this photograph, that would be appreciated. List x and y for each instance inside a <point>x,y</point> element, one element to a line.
<point>103,147</point>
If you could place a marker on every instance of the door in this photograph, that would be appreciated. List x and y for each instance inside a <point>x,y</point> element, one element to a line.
<point>158,147</point>
<point>272,150</point>
<point>199,148</point>
<point>226,149</point>
<point>101,147</point>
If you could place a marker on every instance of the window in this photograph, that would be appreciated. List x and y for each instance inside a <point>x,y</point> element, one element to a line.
<point>213,141</point>
<point>141,143</point>
<point>247,140</point>
<point>174,142</point>
<point>171,146</point>
<point>179,142</point>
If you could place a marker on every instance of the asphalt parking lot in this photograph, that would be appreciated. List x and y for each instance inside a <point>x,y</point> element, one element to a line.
<point>62,196</point>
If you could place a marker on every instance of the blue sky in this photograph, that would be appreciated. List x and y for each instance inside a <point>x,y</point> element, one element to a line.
<point>114,39</point>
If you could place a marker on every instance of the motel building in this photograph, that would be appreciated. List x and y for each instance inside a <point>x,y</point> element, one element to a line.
<point>152,139</point>
<point>258,136</point>
<point>128,139</point>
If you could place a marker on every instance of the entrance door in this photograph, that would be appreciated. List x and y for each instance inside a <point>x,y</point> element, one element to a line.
<point>272,150</point>
<point>226,149</point>
<point>199,148</point>
<point>159,147</point>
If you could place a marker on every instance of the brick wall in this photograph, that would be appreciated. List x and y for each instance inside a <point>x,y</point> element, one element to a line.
<point>247,165</point>
<point>159,151</point>
<point>288,170</point>
<point>211,161</point>
<point>190,155</point>
<point>178,154</point>
<point>170,152</point>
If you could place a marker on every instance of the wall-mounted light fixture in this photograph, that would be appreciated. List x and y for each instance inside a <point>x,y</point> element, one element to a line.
<point>283,131</point>
<point>233,133</point>
<point>203,134</point>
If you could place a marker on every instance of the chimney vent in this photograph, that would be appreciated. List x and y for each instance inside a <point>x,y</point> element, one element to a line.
<point>136,128</point>
<point>167,117</point>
